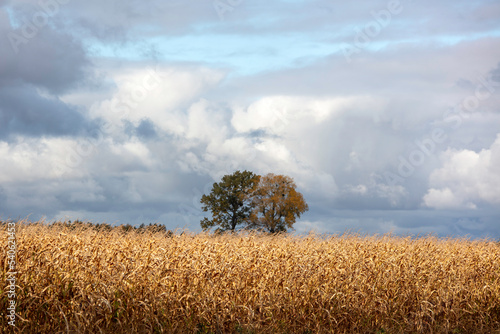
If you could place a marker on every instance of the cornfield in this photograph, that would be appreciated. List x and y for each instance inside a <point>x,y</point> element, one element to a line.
<point>83,280</point>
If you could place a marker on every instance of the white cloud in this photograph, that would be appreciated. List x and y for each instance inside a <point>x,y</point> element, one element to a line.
<point>131,152</point>
<point>446,199</point>
<point>466,179</point>
<point>277,113</point>
<point>156,94</point>
<point>205,122</point>
<point>35,159</point>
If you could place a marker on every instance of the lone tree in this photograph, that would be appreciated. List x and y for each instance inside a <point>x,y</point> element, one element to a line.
<point>230,201</point>
<point>276,204</point>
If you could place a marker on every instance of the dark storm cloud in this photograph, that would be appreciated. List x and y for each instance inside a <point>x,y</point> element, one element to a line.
<point>35,69</point>
<point>50,59</point>
<point>24,112</point>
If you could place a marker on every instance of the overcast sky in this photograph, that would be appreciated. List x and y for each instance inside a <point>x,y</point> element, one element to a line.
<point>385,113</point>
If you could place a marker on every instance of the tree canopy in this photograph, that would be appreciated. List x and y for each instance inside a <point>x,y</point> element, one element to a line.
<point>276,204</point>
<point>230,201</point>
<point>269,203</point>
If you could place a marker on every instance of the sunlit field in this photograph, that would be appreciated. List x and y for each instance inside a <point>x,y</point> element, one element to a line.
<point>80,279</point>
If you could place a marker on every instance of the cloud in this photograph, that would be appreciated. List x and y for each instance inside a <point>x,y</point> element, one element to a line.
<point>466,180</point>
<point>23,111</point>
<point>129,111</point>
<point>158,94</point>
<point>35,69</point>
<point>145,130</point>
<point>276,113</point>
<point>51,59</point>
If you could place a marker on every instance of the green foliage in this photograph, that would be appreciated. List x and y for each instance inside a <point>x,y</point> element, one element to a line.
<point>230,201</point>
<point>270,203</point>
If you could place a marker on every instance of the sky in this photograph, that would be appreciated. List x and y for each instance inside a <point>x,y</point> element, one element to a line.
<point>385,113</point>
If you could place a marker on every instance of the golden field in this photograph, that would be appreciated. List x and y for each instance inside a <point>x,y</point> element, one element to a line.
<point>83,280</point>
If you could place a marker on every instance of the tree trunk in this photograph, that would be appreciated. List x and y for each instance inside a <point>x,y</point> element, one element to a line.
<point>233,221</point>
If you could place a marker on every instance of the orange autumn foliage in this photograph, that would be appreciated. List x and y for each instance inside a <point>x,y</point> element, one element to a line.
<point>276,204</point>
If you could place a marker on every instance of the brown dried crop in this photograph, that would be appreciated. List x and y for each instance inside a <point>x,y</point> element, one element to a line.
<point>109,281</point>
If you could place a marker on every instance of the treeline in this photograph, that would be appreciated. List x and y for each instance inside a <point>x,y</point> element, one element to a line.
<point>81,225</point>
